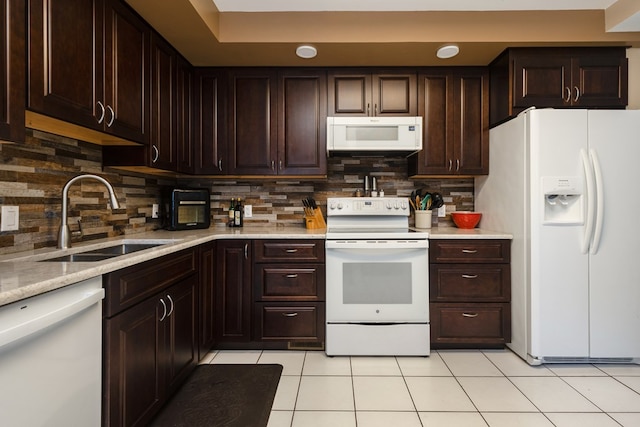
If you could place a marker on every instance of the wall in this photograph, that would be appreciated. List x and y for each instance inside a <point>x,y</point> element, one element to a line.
<point>32,176</point>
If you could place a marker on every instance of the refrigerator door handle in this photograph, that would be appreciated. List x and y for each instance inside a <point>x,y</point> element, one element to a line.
<point>591,201</point>
<point>597,235</point>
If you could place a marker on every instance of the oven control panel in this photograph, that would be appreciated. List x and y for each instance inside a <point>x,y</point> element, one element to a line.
<point>356,206</point>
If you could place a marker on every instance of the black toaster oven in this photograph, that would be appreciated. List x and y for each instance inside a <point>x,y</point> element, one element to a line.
<point>185,209</point>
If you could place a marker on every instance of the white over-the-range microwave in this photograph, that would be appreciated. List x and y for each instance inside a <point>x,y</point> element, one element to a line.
<point>362,135</point>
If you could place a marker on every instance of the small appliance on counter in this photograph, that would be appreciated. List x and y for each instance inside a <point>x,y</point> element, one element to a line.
<point>185,209</point>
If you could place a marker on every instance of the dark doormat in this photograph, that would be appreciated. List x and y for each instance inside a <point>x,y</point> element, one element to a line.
<point>223,395</point>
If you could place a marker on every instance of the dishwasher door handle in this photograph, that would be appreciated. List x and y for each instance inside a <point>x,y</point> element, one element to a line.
<point>40,323</point>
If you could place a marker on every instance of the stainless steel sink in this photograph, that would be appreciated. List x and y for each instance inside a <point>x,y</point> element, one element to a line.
<point>104,253</point>
<point>81,257</point>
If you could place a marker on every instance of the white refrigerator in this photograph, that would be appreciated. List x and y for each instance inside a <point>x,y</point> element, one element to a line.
<point>564,183</point>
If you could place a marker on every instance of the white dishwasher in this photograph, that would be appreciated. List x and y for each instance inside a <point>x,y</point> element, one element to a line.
<point>51,358</point>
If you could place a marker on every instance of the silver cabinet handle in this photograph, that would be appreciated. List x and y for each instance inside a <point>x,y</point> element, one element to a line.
<point>291,276</point>
<point>220,165</point>
<point>172,306</point>
<point>280,164</point>
<point>246,251</point>
<point>102,111</point>
<point>368,109</point>
<point>469,276</point>
<point>289,314</point>
<point>577,94</point>
<point>469,314</point>
<point>568,97</point>
<point>291,251</point>
<point>469,251</point>
<point>164,307</point>
<point>457,165</point>
<point>113,116</point>
<point>375,110</point>
<point>273,165</point>
<point>450,164</point>
<point>156,153</point>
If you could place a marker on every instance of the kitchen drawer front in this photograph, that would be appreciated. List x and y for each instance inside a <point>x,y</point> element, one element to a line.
<point>129,286</point>
<point>277,282</point>
<point>288,250</point>
<point>289,322</point>
<point>470,282</point>
<point>470,325</point>
<point>470,250</point>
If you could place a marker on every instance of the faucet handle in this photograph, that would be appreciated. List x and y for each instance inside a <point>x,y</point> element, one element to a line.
<point>79,232</point>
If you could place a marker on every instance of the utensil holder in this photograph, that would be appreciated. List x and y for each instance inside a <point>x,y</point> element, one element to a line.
<point>316,220</point>
<point>423,219</point>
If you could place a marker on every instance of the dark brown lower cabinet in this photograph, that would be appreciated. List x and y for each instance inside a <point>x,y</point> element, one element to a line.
<point>207,299</point>
<point>470,293</point>
<point>233,302</point>
<point>150,342</point>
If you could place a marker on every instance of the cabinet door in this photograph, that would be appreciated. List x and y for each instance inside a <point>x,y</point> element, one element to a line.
<point>349,93</point>
<point>126,64</point>
<point>207,299</point>
<point>180,324</point>
<point>437,109</point>
<point>394,94</point>
<point>541,80</point>
<point>184,117</point>
<point>211,144</point>
<point>252,122</point>
<point>600,81</point>
<point>133,364</point>
<point>302,113</point>
<point>66,60</point>
<point>163,133</point>
<point>12,80</point>
<point>471,123</point>
<point>233,308</point>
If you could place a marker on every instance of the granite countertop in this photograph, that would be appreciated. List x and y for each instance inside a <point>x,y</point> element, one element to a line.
<point>22,276</point>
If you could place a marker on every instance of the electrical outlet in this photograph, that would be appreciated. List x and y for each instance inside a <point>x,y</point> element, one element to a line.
<point>10,218</point>
<point>248,211</point>
<point>155,210</point>
<point>442,211</point>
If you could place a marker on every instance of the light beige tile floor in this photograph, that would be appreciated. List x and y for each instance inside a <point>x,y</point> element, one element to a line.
<point>471,388</point>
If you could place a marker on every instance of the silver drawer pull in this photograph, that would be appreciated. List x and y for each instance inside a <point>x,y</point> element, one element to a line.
<point>289,314</point>
<point>469,251</point>
<point>291,251</point>
<point>291,276</point>
<point>469,314</point>
<point>469,276</point>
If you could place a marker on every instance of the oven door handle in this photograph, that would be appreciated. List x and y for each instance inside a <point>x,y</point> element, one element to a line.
<point>376,244</point>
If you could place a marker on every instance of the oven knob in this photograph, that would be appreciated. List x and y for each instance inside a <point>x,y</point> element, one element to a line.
<point>332,205</point>
<point>403,205</point>
<point>389,205</point>
<point>396,207</point>
<point>340,205</point>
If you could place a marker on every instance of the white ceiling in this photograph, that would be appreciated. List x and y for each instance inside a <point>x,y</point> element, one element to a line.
<point>406,5</point>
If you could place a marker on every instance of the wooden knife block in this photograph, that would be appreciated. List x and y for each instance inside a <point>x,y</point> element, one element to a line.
<point>315,221</point>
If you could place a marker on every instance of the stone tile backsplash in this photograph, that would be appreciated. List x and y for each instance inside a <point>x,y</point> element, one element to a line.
<point>32,176</point>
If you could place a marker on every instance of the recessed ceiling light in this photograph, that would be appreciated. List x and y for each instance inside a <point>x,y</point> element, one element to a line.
<point>306,51</point>
<point>448,51</point>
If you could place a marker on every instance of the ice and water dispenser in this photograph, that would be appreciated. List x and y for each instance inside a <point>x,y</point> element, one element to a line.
<point>562,200</point>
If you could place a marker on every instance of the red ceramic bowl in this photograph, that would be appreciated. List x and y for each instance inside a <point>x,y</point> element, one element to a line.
<point>466,219</point>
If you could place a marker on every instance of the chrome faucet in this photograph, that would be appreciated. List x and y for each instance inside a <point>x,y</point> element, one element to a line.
<point>64,235</point>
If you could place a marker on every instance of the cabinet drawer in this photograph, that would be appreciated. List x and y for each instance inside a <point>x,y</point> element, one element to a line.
<point>290,282</point>
<point>474,251</point>
<point>299,322</point>
<point>462,325</point>
<point>289,250</point>
<point>470,282</point>
<point>131,285</point>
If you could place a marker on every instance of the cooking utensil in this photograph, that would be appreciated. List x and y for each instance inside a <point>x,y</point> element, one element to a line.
<point>436,201</point>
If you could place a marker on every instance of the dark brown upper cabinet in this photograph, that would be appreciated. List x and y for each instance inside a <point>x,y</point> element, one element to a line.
<point>12,60</point>
<point>366,92</point>
<point>558,78</point>
<point>210,148</point>
<point>89,65</point>
<point>276,122</point>
<point>454,105</point>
